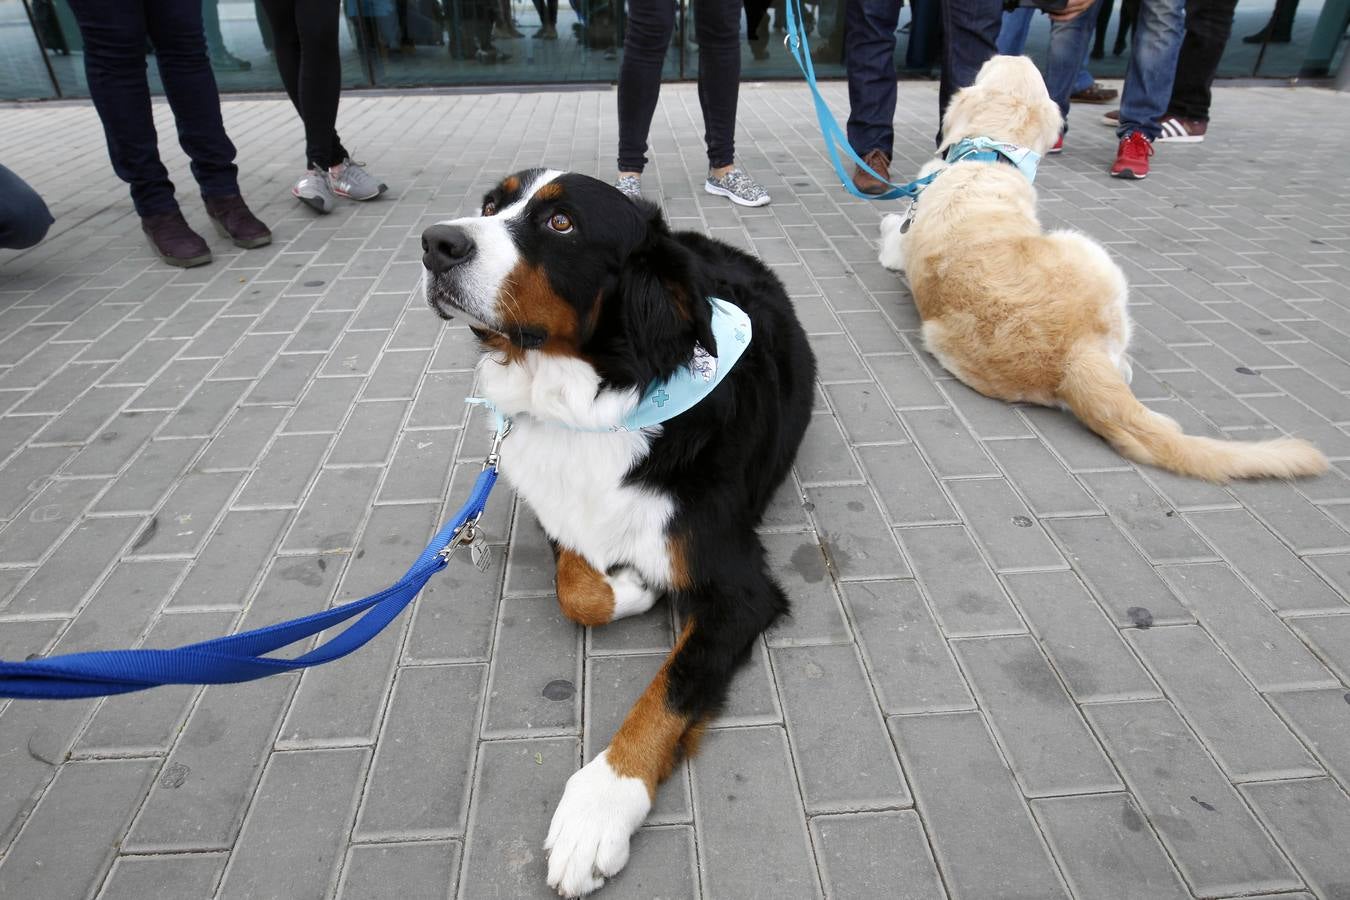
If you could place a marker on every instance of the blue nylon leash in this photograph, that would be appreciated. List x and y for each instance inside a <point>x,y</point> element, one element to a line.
<point>835,137</point>
<point>239,657</point>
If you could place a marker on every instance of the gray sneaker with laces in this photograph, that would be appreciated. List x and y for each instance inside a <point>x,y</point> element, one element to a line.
<point>350,179</point>
<point>313,190</point>
<point>738,187</point>
<point>629,185</point>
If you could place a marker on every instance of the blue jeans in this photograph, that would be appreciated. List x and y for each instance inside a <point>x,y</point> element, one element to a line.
<point>1152,67</point>
<point>869,59</point>
<point>24,218</point>
<point>1012,41</point>
<point>969,38</point>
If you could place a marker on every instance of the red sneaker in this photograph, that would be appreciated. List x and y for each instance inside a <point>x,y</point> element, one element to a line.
<point>1058,148</point>
<point>1132,157</point>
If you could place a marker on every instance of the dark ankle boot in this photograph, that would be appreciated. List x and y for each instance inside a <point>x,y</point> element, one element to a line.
<point>175,242</point>
<point>234,220</point>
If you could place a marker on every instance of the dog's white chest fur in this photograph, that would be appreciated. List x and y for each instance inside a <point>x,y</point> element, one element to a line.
<point>573,480</point>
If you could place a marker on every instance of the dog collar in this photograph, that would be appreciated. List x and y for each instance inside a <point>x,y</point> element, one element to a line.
<point>983,149</point>
<point>667,398</point>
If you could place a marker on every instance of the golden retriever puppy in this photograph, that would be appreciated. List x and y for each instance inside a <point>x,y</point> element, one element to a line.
<point>1022,314</point>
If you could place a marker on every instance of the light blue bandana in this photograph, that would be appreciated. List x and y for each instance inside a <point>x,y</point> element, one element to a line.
<point>985,149</point>
<point>681,392</point>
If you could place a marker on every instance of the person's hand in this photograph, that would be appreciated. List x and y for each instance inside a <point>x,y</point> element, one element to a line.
<point>1073,10</point>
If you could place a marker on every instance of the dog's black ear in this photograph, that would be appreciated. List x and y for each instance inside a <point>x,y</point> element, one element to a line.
<point>663,299</point>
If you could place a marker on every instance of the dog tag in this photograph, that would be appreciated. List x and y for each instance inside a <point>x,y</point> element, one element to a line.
<point>480,554</point>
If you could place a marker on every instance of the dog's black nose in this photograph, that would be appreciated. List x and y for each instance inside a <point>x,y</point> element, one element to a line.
<point>445,246</point>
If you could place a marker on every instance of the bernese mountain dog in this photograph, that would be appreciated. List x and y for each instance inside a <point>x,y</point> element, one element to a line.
<point>582,299</point>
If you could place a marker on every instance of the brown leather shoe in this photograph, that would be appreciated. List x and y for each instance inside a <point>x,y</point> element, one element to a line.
<point>235,221</point>
<point>879,163</point>
<point>174,241</point>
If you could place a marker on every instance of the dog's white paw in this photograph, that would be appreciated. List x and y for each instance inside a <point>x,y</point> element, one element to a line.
<point>891,256</point>
<point>632,597</point>
<point>588,837</point>
<point>890,224</point>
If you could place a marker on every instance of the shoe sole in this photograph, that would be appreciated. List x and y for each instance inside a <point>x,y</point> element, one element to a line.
<point>723,192</point>
<point>1128,174</point>
<point>383,188</point>
<point>1184,139</point>
<point>318,204</point>
<point>190,262</point>
<point>247,244</point>
<point>1054,151</point>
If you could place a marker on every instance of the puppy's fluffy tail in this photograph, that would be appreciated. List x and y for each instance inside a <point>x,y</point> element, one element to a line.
<point>1095,391</point>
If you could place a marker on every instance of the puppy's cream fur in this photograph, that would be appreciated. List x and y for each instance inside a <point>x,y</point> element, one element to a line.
<point>1024,315</point>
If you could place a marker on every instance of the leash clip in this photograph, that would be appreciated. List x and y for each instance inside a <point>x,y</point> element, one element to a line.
<point>468,534</point>
<point>494,454</point>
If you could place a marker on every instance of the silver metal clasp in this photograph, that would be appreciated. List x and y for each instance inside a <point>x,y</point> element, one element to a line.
<point>494,454</point>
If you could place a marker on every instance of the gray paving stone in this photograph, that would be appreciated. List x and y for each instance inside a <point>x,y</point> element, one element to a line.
<point>60,585</point>
<point>27,473</point>
<point>1045,485</point>
<point>1213,839</point>
<point>910,494</point>
<point>149,477</point>
<point>745,775</point>
<point>982,834</point>
<point>1322,720</point>
<point>651,632</point>
<point>1281,579</point>
<point>455,615</point>
<point>324,405</point>
<point>42,523</point>
<point>1118,575</point>
<point>864,414</point>
<point>1085,648</point>
<point>204,789</point>
<point>242,440</point>
<point>295,835</point>
<point>61,390</point>
<point>881,854</point>
<point>356,353</point>
<point>1049,747</point>
<point>905,383</point>
<point>853,533</point>
<point>1296,521</point>
<point>331,514</point>
<point>837,360</point>
<point>185,521</point>
<point>530,567</point>
<point>440,400</point>
<point>34,739</point>
<point>173,385</point>
<point>535,646</point>
<point>1259,643</point>
<point>396,375</point>
<point>987,417</point>
<point>798,563</point>
<point>1237,726</point>
<point>285,470</point>
<point>369,433</point>
<point>217,338</point>
<point>430,729</point>
<point>202,414</point>
<point>421,466</point>
<point>1106,848</point>
<point>164,877</point>
<point>1155,527</point>
<point>426,870</point>
<point>613,685</point>
<point>1002,525</point>
<point>1309,819</point>
<point>285,380</point>
<point>907,659</point>
<point>116,443</point>
<point>83,418</point>
<point>844,759</point>
<point>1072,441</point>
<point>1329,638</point>
<point>823,457</point>
<point>517,785</point>
<point>71,839</point>
<point>947,443</point>
<point>965,596</point>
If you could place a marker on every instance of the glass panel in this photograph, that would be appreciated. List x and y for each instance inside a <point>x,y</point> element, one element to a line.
<point>23,73</point>
<point>427,42</point>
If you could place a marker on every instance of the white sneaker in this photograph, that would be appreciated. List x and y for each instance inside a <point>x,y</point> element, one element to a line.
<point>737,187</point>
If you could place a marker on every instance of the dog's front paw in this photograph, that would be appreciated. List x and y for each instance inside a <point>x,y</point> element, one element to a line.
<point>891,256</point>
<point>588,837</point>
<point>632,596</point>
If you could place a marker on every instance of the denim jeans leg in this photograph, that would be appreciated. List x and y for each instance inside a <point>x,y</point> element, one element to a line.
<point>869,57</point>
<point>1152,68</point>
<point>1085,79</point>
<point>24,218</point>
<point>969,38</point>
<point>1012,34</point>
<point>1069,42</point>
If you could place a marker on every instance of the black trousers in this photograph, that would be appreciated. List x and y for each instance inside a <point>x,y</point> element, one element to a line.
<point>651,25</point>
<point>1208,26</point>
<point>305,44</point>
<point>115,35</point>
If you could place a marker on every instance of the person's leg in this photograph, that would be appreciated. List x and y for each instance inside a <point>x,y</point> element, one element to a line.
<point>651,23</point>
<point>717,25</point>
<point>1153,64</point>
<point>870,62</point>
<point>1069,43</point>
<point>24,218</point>
<point>969,38</point>
<point>180,51</point>
<point>1209,23</point>
<point>114,33</point>
<point>1084,81</point>
<point>1104,10</point>
<point>1012,34</point>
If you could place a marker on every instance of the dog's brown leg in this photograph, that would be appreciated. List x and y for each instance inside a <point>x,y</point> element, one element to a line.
<point>583,593</point>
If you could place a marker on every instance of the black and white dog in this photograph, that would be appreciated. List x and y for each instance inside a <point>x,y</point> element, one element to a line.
<point>582,299</point>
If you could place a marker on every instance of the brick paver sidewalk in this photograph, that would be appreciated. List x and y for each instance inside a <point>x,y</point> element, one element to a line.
<point>1019,667</point>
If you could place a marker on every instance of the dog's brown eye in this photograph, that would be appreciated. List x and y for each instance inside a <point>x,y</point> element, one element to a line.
<point>489,208</point>
<point>560,222</point>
